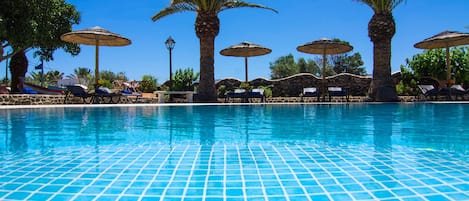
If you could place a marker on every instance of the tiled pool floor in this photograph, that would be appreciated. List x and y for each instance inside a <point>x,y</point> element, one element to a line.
<point>235,172</point>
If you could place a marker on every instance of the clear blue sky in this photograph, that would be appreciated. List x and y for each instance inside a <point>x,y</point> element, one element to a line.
<point>298,22</point>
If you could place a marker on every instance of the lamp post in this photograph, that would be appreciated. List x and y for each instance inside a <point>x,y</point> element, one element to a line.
<point>170,43</point>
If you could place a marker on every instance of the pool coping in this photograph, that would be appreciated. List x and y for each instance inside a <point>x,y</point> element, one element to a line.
<point>214,104</point>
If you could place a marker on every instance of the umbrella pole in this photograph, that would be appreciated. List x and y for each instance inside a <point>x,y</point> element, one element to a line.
<point>246,68</point>
<point>246,77</point>
<point>324,76</point>
<point>96,69</point>
<point>448,68</point>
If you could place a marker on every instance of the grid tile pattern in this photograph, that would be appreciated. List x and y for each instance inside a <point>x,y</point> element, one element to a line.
<point>256,171</point>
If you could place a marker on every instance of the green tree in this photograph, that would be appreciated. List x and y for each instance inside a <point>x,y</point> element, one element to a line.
<point>30,24</point>
<point>432,63</point>
<point>286,66</point>
<point>308,66</point>
<point>283,67</point>
<point>381,29</point>
<point>207,26</point>
<point>148,84</point>
<point>344,63</point>
<point>184,79</point>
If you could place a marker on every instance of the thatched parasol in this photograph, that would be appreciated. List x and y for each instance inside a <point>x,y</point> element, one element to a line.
<point>446,40</point>
<point>325,46</point>
<point>245,49</point>
<point>96,36</point>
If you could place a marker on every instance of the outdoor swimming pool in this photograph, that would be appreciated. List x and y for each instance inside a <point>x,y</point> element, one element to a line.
<point>236,152</point>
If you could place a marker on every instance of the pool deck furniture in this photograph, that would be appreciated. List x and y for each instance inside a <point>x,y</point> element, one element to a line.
<point>337,91</point>
<point>237,93</point>
<point>246,96</point>
<point>78,91</point>
<point>256,93</point>
<point>131,96</point>
<point>189,95</point>
<point>458,91</point>
<point>105,95</point>
<point>310,92</point>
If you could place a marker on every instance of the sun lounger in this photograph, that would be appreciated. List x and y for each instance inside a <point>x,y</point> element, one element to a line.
<point>105,95</point>
<point>131,96</point>
<point>429,90</point>
<point>237,93</point>
<point>79,91</point>
<point>311,92</point>
<point>256,93</point>
<point>337,91</point>
<point>458,91</point>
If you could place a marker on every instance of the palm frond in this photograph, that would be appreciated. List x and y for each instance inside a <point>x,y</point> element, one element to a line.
<point>175,8</point>
<point>382,6</point>
<point>239,4</point>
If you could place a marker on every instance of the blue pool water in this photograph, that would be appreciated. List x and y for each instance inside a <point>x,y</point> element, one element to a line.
<point>236,152</point>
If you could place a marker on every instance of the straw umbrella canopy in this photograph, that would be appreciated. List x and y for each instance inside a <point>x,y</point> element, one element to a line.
<point>325,46</point>
<point>245,49</point>
<point>95,36</point>
<point>445,39</point>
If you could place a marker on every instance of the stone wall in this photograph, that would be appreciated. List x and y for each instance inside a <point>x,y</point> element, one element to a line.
<point>293,86</point>
<point>31,99</point>
<point>43,99</point>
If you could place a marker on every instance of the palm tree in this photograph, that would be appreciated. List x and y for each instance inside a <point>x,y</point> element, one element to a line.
<point>381,29</point>
<point>82,74</point>
<point>207,26</point>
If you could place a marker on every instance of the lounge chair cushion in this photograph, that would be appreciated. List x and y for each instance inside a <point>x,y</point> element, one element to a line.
<point>427,88</point>
<point>260,91</point>
<point>309,90</point>
<point>126,91</point>
<point>237,91</point>
<point>335,89</point>
<point>103,90</point>
<point>458,87</point>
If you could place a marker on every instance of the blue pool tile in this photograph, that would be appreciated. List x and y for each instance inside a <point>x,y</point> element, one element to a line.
<point>72,189</point>
<point>402,192</point>
<point>340,196</point>
<point>214,199</point>
<point>459,196</point>
<point>436,197</point>
<point>40,196</point>
<point>276,198</point>
<point>382,194</point>
<point>274,191</point>
<point>362,196</point>
<point>234,192</point>
<point>392,184</point>
<point>149,192</point>
<point>107,197</point>
<point>62,197</point>
<point>320,198</point>
<point>214,192</point>
<point>298,197</point>
<point>462,187</point>
<point>413,198</point>
<point>424,190</point>
<point>18,195</point>
<point>130,198</point>
<point>251,198</point>
<point>134,191</point>
<point>373,186</point>
<point>174,191</point>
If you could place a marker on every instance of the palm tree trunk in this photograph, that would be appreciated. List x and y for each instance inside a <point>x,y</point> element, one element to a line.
<point>382,88</point>
<point>207,91</point>
<point>18,68</point>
